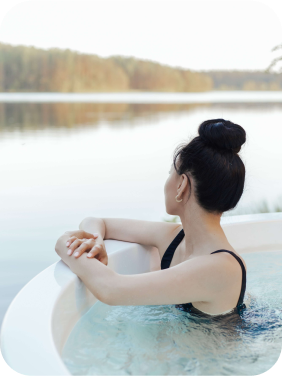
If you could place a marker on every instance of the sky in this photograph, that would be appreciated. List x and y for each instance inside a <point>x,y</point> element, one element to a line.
<point>196,35</point>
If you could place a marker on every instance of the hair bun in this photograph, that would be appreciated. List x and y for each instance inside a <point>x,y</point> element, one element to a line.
<point>222,134</point>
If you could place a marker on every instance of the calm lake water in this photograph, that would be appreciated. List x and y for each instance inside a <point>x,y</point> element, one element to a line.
<point>62,161</point>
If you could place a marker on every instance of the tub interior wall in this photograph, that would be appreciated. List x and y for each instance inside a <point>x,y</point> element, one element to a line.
<point>75,299</point>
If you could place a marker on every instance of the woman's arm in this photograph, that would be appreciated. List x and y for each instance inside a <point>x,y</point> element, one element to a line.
<point>200,279</point>
<point>97,277</point>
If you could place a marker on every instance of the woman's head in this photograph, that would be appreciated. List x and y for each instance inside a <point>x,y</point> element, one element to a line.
<point>208,169</point>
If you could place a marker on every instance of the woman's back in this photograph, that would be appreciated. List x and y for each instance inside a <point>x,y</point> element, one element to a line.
<point>189,307</point>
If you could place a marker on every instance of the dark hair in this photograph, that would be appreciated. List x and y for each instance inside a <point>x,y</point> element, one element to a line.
<point>212,160</point>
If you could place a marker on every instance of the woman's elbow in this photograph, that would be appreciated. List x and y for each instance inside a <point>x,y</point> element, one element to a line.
<point>103,296</point>
<point>107,300</point>
<point>109,293</point>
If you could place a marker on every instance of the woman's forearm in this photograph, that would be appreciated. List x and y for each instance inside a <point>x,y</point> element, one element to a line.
<point>97,277</point>
<point>92,225</point>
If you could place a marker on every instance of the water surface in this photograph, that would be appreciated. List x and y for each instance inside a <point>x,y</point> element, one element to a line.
<point>162,340</point>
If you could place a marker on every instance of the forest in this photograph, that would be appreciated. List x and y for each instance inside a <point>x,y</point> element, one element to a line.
<point>32,69</point>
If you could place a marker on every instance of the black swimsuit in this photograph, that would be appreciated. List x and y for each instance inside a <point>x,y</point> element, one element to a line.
<point>188,307</point>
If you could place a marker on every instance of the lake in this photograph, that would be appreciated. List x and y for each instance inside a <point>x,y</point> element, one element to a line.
<point>65,158</point>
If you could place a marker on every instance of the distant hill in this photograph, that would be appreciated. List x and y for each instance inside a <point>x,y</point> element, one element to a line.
<point>30,69</point>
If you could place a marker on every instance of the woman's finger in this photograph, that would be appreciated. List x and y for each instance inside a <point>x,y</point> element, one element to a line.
<point>88,235</point>
<point>73,246</point>
<point>80,234</point>
<point>94,251</point>
<point>88,244</point>
<point>71,240</point>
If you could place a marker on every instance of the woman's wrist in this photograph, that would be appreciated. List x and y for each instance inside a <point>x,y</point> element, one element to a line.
<point>93,226</point>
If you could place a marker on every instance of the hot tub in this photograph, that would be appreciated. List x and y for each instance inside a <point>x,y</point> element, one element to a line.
<point>42,315</point>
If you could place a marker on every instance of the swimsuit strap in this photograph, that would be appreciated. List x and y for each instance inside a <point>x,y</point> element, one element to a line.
<point>243,286</point>
<point>167,257</point>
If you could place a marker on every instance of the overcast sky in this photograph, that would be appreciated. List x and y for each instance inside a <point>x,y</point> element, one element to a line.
<point>198,35</point>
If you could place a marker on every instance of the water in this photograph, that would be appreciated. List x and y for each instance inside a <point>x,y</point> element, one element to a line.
<point>61,162</point>
<point>162,340</point>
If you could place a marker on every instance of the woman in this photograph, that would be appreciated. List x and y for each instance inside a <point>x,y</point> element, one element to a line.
<point>200,270</point>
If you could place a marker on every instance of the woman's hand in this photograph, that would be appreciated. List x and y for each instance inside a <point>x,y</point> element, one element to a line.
<point>81,241</point>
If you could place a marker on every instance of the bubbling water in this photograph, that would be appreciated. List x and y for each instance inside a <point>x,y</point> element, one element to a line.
<point>162,340</point>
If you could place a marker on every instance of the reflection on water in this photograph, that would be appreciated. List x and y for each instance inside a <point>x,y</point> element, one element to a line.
<point>27,116</point>
<point>34,116</point>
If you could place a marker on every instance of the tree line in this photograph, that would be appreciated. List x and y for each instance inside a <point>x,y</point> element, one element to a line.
<point>246,80</point>
<point>31,69</point>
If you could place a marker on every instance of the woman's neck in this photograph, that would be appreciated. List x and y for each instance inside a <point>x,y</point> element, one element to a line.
<point>203,233</point>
